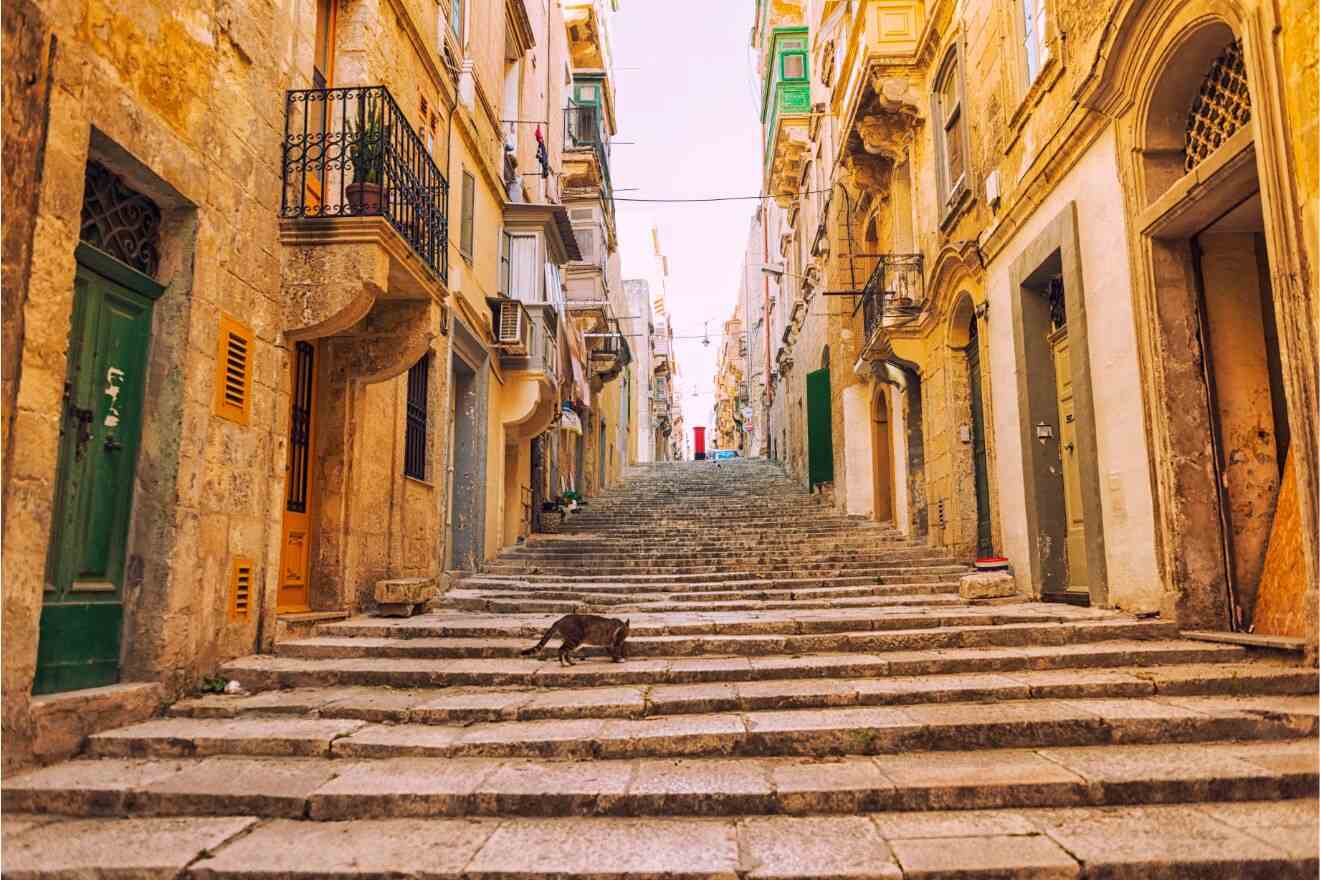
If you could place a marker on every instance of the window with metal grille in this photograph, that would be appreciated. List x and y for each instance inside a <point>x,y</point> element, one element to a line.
<point>300,427</point>
<point>414,432</point>
<point>1221,107</point>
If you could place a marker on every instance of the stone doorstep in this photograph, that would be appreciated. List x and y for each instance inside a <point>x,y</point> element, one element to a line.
<point>1262,839</point>
<point>326,789</point>
<point>816,732</point>
<point>445,706</point>
<point>403,597</point>
<point>62,722</point>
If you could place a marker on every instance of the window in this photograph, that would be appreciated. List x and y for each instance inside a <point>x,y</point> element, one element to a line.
<point>467,219</point>
<point>951,144</point>
<point>456,19</point>
<point>521,275</point>
<point>414,430</point>
<point>794,66</point>
<point>1033,37</point>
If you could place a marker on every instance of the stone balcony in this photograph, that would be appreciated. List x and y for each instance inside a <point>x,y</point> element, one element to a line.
<point>363,211</point>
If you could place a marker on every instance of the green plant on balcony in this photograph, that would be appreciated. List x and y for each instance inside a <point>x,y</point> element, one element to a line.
<point>366,150</point>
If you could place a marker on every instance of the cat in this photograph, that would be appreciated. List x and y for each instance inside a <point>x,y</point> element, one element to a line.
<point>575,629</point>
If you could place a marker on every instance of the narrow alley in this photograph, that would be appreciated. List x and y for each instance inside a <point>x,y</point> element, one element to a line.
<point>806,695</point>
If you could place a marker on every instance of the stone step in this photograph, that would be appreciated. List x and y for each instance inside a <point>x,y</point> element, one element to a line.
<point>899,615</point>
<point>869,730</point>
<point>264,672</point>
<point>478,603</point>
<point>932,634</point>
<point>330,789</point>
<point>720,581</point>
<point>544,592</point>
<point>466,705</point>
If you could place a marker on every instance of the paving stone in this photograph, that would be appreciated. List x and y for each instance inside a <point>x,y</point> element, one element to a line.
<point>848,731</point>
<point>790,848</point>
<point>284,850</point>
<point>187,737</point>
<point>1065,683</point>
<point>399,740</point>
<point>939,688</point>
<point>672,735</point>
<point>463,707</point>
<point>979,780</point>
<point>596,702</point>
<point>673,699</point>
<point>758,695</point>
<point>399,787</point>
<point>574,738</point>
<point>83,788</point>
<point>837,785</point>
<point>700,787</point>
<point>226,785</point>
<point>146,848</point>
<point>554,788</point>
<point>1137,843</point>
<point>991,856</point>
<point>957,823</point>
<point>607,848</point>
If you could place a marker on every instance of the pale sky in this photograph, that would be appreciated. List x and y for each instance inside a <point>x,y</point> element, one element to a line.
<point>686,102</point>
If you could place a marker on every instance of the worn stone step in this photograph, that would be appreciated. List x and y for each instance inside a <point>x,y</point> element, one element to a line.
<point>866,730</point>
<point>266,672</point>
<point>1255,839</point>
<point>891,616</point>
<point>469,705</point>
<point>930,635</point>
<point>337,789</point>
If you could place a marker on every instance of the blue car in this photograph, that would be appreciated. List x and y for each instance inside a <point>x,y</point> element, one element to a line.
<point>722,454</point>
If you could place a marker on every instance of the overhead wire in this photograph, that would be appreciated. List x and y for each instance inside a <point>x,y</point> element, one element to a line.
<point>715,198</point>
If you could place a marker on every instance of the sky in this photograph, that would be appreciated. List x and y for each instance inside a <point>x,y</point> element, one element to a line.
<point>688,127</point>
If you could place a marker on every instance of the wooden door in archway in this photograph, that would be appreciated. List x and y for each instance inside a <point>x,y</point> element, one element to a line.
<point>881,446</point>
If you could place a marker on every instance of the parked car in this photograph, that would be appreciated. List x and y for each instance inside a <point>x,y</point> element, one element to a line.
<point>721,454</point>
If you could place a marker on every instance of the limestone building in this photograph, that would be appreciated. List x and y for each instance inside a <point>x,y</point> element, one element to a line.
<point>1044,273</point>
<point>288,311</point>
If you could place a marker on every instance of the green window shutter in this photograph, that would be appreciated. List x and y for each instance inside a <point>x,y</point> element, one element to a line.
<point>468,215</point>
<point>820,437</point>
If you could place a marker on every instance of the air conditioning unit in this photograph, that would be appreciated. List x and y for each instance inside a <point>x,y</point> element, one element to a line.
<point>512,328</point>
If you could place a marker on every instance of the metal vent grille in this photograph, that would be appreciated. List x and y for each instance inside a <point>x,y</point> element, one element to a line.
<point>240,588</point>
<point>1221,108</point>
<point>234,372</point>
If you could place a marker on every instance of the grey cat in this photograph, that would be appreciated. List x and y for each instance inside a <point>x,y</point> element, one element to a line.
<point>575,629</point>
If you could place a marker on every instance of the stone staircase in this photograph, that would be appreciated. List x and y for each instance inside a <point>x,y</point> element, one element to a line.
<point>806,697</point>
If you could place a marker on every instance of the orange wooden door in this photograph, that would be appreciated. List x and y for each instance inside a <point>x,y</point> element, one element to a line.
<point>299,481</point>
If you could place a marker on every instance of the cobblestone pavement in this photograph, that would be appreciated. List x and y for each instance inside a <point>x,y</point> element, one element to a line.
<point>806,697</point>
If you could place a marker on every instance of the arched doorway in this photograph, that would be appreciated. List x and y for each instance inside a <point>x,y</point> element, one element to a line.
<point>882,445</point>
<point>1214,237</point>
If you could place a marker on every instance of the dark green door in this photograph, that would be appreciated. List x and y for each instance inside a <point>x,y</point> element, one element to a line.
<point>979,468</point>
<point>820,428</point>
<point>82,612</point>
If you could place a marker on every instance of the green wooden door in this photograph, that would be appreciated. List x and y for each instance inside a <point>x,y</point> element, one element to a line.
<point>82,613</point>
<point>820,428</point>
<point>980,467</point>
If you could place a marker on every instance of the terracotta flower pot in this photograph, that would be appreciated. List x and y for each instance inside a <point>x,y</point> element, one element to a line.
<point>364,198</point>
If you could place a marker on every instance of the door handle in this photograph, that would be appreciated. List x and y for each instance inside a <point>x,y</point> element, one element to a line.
<point>1068,446</point>
<point>83,420</point>
<point>112,445</point>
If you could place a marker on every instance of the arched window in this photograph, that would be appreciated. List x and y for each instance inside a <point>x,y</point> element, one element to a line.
<point>1221,107</point>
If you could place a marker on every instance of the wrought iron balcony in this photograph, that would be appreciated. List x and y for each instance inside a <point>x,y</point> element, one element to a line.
<point>350,152</point>
<point>894,289</point>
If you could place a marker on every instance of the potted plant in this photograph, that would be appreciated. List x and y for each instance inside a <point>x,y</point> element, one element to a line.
<point>366,149</point>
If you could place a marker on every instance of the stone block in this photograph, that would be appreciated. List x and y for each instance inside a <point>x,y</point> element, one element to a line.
<point>403,597</point>
<point>62,722</point>
<point>987,585</point>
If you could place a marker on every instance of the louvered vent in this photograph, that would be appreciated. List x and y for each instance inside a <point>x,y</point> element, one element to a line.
<point>240,588</point>
<point>511,327</point>
<point>233,381</point>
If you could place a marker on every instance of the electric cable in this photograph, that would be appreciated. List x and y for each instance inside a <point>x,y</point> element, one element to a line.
<point>715,198</point>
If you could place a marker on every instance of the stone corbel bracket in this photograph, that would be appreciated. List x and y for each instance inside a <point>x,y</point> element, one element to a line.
<point>889,132</point>
<point>334,269</point>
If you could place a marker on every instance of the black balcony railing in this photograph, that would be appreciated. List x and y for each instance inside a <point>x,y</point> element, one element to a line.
<point>894,289</point>
<point>584,129</point>
<point>350,152</point>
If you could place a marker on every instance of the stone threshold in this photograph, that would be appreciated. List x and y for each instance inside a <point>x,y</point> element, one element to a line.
<point>1249,640</point>
<point>62,722</point>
